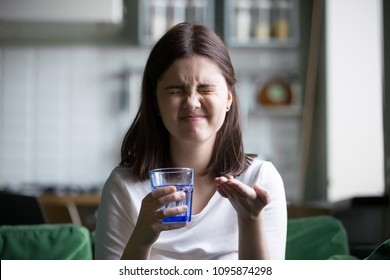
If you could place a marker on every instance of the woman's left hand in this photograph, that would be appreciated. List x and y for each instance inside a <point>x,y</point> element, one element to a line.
<point>248,202</point>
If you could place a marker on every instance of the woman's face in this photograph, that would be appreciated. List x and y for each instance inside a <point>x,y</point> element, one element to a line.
<point>193,97</point>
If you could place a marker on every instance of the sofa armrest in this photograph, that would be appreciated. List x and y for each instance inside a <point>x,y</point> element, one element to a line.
<point>315,238</point>
<point>45,242</point>
<point>382,252</point>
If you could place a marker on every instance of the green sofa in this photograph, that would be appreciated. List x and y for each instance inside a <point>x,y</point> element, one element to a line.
<point>45,242</point>
<point>309,238</point>
<point>316,238</point>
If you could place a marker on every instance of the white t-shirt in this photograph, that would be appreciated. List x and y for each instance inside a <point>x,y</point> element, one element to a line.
<point>212,234</point>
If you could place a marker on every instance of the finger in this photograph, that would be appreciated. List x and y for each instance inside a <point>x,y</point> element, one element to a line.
<point>240,189</point>
<point>227,177</point>
<point>174,197</point>
<point>173,211</point>
<point>158,192</point>
<point>169,212</point>
<point>222,192</point>
<point>161,191</point>
<point>227,190</point>
<point>222,185</point>
<point>224,189</point>
<point>220,180</point>
<point>262,193</point>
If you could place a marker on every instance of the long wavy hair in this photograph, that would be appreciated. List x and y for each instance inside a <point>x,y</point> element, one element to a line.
<point>146,143</point>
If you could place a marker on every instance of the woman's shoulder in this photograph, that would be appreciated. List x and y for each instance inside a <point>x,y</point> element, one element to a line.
<point>123,171</point>
<point>122,183</point>
<point>265,174</point>
<point>259,170</point>
<point>123,176</point>
<point>256,164</point>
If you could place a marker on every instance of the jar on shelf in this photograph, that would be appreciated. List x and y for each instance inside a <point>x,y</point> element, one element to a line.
<point>242,19</point>
<point>261,20</point>
<point>281,19</point>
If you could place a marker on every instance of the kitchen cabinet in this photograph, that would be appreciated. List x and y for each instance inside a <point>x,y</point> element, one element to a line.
<point>56,21</point>
<point>28,11</point>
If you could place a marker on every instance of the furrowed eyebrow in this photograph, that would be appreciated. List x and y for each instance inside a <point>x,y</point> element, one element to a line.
<point>174,87</point>
<point>182,87</point>
<point>206,86</point>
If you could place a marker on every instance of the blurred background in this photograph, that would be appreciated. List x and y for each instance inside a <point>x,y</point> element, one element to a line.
<point>313,86</point>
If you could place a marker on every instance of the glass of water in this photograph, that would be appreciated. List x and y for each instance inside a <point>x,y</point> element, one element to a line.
<point>183,179</point>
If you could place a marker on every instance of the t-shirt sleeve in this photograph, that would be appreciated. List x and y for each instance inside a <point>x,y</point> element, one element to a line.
<point>115,223</point>
<point>275,212</point>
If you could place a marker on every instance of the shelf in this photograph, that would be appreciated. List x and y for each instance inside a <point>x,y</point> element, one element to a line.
<point>246,23</point>
<point>158,16</point>
<point>261,23</point>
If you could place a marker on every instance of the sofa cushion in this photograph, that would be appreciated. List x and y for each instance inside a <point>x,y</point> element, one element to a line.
<point>45,242</point>
<point>382,252</point>
<point>315,238</point>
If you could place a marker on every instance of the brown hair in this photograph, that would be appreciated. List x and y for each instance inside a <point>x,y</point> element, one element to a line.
<point>146,143</point>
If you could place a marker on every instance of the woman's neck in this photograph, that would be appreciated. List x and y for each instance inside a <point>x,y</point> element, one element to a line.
<point>194,155</point>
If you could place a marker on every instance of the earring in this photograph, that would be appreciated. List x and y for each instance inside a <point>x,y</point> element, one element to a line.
<point>227,108</point>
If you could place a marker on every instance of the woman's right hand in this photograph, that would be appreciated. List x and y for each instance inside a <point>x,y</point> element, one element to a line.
<point>149,225</point>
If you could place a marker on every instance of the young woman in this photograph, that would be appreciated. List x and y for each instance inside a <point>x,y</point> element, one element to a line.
<point>189,117</point>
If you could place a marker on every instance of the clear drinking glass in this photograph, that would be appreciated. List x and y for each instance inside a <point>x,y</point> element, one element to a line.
<point>183,180</point>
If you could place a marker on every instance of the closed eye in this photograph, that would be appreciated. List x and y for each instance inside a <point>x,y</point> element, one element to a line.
<point>174,89</point>
<point>206,89</point>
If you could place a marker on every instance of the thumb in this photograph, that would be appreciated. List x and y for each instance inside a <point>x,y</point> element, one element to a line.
<point>262,193</point>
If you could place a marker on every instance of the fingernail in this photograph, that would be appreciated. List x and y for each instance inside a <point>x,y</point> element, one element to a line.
<point>170,190</point>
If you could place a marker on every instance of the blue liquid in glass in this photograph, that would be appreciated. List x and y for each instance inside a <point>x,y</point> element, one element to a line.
<point>185,216</point>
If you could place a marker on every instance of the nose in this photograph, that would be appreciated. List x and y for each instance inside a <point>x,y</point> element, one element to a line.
<point>192,101</point>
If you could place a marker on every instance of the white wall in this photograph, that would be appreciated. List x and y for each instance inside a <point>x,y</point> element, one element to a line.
<point>61,121</point>
<point>354,98</point>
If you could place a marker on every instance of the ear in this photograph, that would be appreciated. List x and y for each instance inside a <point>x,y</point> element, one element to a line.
<point>229,100</point>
